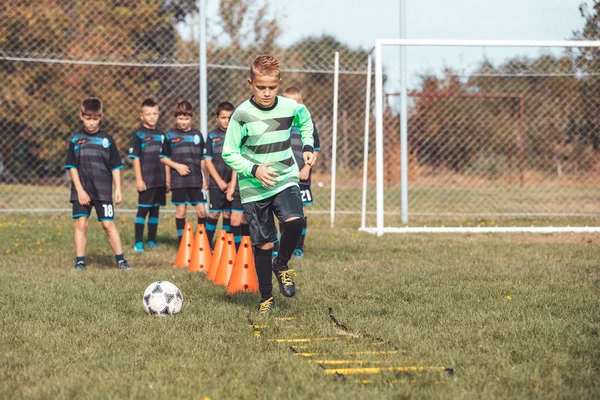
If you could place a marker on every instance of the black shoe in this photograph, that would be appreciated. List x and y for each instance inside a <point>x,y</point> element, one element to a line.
<point>284,276</point>
<point>80,266</point>
<point>124,266</point>
<point>266,306</point>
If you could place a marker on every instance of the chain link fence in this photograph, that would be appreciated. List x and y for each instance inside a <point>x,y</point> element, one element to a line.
<point>54,53</point>
<point>510,134</point>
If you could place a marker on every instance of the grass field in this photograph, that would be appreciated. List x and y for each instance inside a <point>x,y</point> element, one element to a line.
<point>515,316</point>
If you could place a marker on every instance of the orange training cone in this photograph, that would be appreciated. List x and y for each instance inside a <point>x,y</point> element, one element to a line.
<point>201,255</point>
<point>243,277</point>
<point>219,245</point>
<point>185,247</point>
<point>226,262</point>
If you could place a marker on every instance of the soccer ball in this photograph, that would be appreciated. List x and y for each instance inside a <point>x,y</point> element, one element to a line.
<point>162,298</point>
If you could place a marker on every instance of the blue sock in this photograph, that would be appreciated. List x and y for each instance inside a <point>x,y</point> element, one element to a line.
<point>119,257</point>
<point>80,260</point>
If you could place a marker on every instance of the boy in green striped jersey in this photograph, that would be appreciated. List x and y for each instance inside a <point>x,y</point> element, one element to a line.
<point>258,147</point>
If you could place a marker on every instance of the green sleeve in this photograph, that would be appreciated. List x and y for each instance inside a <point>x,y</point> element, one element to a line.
<point>303,121</point>
<point>231,150</point>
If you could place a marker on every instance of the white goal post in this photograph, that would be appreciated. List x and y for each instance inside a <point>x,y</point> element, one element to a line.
<point>380,229</point>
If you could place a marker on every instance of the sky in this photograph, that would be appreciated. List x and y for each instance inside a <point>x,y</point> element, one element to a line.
<point>358,23</point>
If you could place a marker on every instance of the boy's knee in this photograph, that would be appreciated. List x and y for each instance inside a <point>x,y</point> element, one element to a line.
<point>81,224</point>
<point>107,225</point>
<point>293,225</point>
<point>265,246</point>
<point>214,215</point>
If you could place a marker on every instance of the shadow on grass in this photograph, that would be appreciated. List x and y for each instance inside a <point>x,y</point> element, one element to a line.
<point>102,261</point>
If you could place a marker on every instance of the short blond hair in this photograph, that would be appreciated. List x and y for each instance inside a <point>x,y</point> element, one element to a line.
<point>264,65</point>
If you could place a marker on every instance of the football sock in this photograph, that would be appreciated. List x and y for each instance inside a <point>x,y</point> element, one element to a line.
<point>237,236</point>
<point>211,227</point>
<point>119,257</point>
<point>153,223</point>
<point>180,225</point>
<point>140,220</point>
<point>262,260</point>
<point>290,235</point>
<point>80,260</point>
<point>202,221</point>
<point>300,245</point>
<point>227,224</point>
<point>245,230</point>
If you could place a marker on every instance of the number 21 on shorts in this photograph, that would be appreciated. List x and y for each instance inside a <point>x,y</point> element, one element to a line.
<point>305,195</point>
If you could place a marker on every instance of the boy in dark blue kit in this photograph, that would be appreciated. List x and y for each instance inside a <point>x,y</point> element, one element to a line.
<point>150,173</point>
<point>94,164</point>
<point>223,191</point>
<point>183,151</point>
<point>305,169</point>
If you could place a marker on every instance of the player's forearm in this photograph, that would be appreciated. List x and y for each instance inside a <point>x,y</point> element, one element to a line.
<point>116,174</point>
<point>75,179</point>
<point>238,163</point>
<point>306,128</point>
<point>212,171</point>
<point>137,169</point>
<point>169,163</point>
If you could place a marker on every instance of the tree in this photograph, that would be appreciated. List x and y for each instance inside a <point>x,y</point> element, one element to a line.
<point>118,30</point>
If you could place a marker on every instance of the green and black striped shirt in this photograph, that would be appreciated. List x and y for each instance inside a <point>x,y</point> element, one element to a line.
<point>259,135</point>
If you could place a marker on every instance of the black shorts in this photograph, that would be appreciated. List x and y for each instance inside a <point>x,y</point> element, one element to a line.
<point>104,210</point>
<point>284,205</point>
<point>306,193</point>
<point>191,196</point>
<point>219,202</point>
<point>156,196</point>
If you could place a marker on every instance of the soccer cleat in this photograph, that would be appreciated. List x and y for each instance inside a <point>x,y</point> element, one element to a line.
<point>298,253</point>
<point>138,247</point>
<point>266,306</point>
<point>80,266</point>
<point>275,253</point>
<point>284,276</point>
<point>124,266</point>
<point>151,244</point>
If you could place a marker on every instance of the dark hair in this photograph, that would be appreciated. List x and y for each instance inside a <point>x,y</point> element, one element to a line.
<point>91,107</point>
<point>264,65</point>
<point>224,106</point>
<point>149,103</point>
<point>184,107</point>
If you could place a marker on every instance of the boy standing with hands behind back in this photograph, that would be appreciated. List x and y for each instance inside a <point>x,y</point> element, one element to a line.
<point>150,174</point>
<point>94,164</point>
<point>183,151</point>
<point>257,146</point>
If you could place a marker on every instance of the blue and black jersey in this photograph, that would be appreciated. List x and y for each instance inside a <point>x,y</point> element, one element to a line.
<point>146,147</point>
<point>214,151</point>
<point>296,140</point>
<point>185,148</point>
<point>94,156</point>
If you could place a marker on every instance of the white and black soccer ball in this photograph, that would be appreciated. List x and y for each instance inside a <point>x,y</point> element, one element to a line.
<point>162,298</point>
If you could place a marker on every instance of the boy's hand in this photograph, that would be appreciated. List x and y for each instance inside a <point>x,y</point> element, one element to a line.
<point>168,186</point>
<point>304,173</point>
<point>223,185</point>
<point>266,176</point>
<point>309,158</point>
<point>118,196</point>
<point>204,185</point>
<point>140,185</point>
<point>182,169</point>
<point>229,192</point>
<point>83,198</point>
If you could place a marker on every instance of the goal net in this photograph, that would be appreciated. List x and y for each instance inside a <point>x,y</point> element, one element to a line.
<point>483,136</point>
